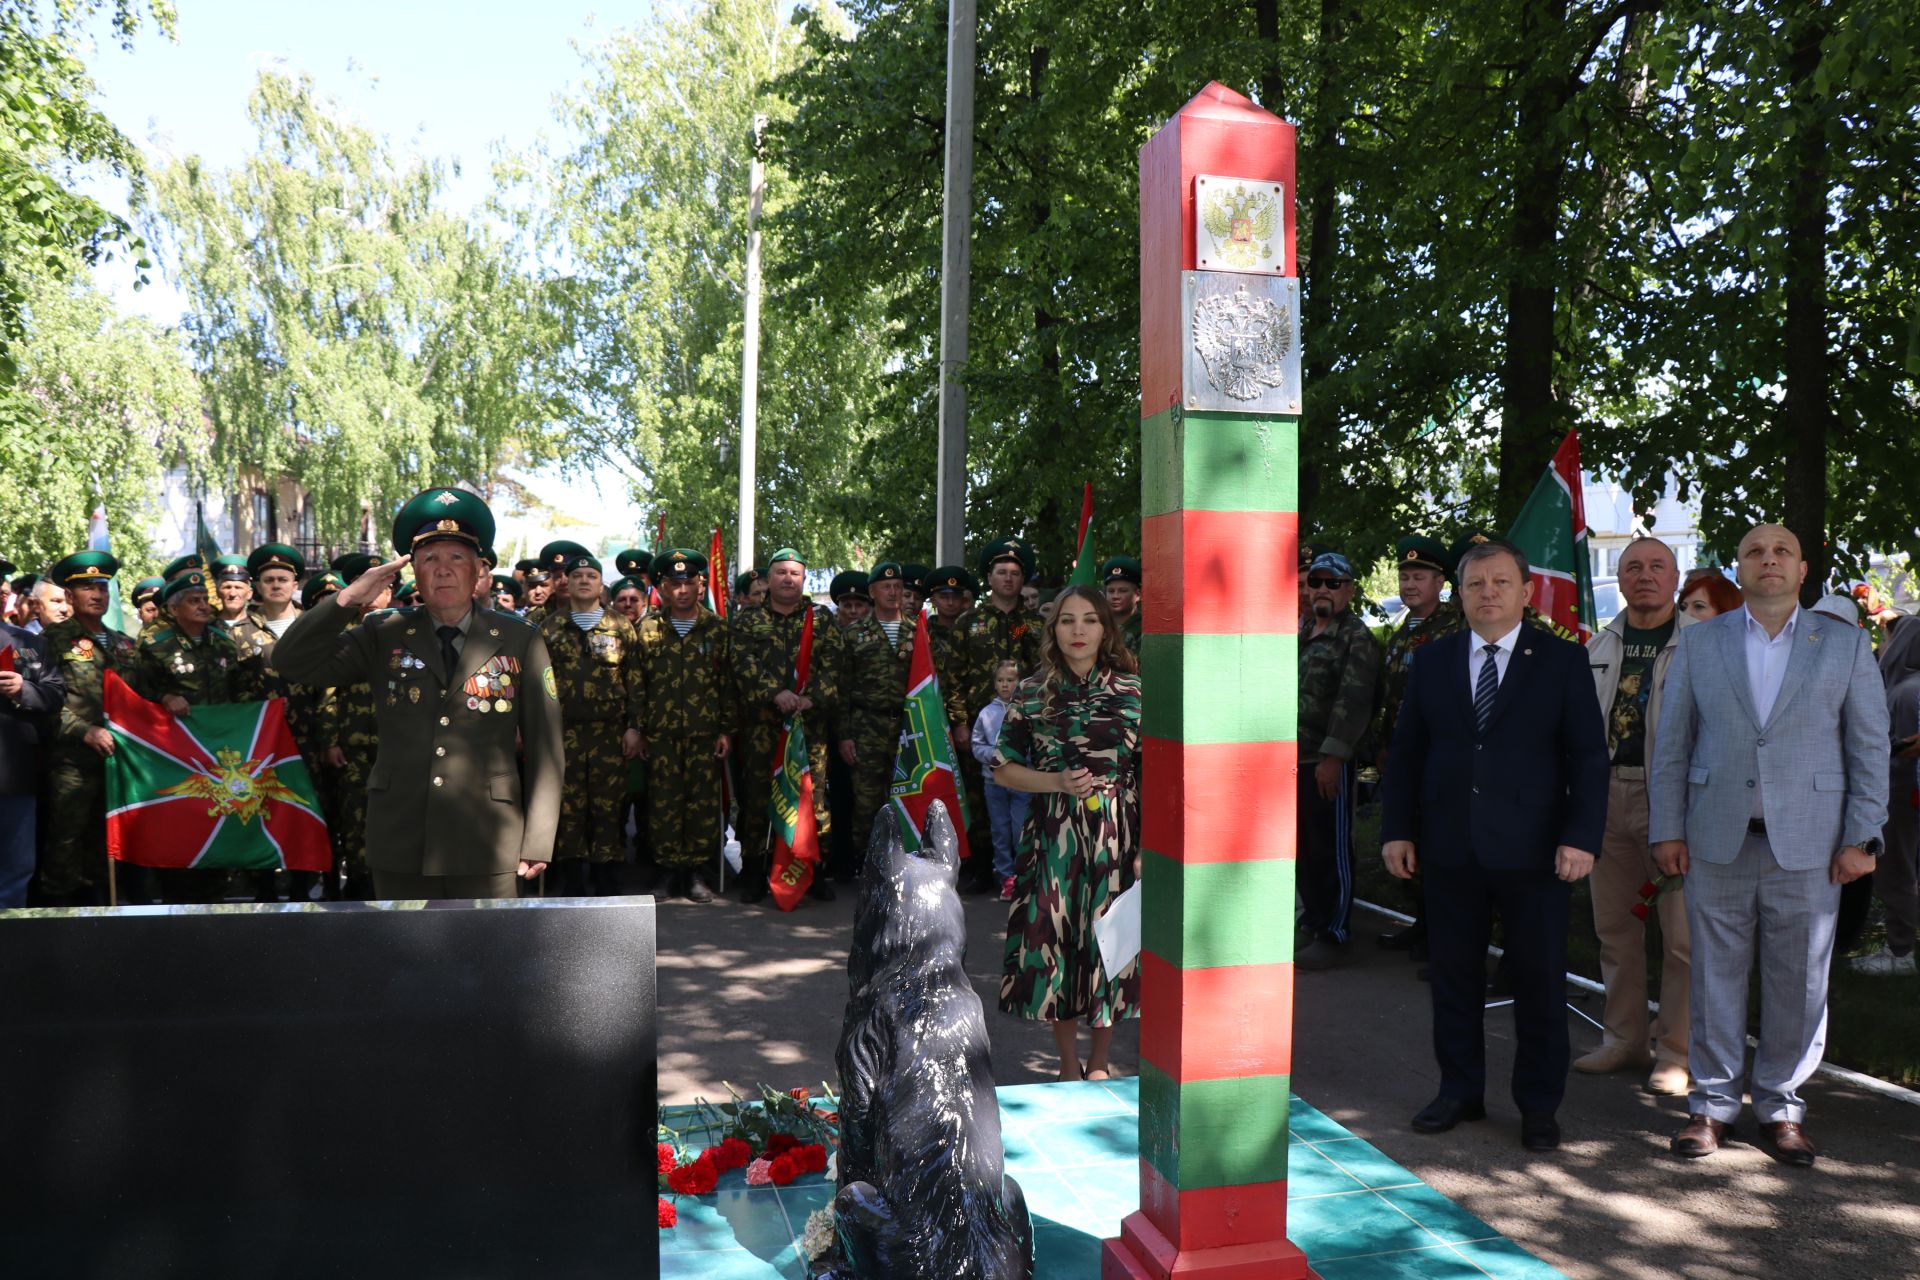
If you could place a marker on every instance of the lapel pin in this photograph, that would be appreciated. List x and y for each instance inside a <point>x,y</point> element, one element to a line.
<point>1528,652</point>
<point>409,630</point>
<point>493,631</point>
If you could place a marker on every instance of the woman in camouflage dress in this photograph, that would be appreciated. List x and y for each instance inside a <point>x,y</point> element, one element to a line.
<point>1072,739</point>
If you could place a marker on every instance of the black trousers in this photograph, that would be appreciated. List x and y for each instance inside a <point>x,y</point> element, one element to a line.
<point>1323,868</point>
<point>1534,911</point>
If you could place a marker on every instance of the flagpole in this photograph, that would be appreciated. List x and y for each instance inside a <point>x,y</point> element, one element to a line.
<point>113,883</point>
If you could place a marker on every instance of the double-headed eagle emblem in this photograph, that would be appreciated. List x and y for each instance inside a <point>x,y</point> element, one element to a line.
<point>1242,224</point>
<point>238,787</point>
<point>1244,341</point>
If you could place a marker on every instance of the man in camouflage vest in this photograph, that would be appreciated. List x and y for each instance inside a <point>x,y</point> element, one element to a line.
<point>73,866</point>
<point>766,642</point>
<point>1339,683</point>
<point>686,719</point>
<point>879,654</point>
<point>595,654</point>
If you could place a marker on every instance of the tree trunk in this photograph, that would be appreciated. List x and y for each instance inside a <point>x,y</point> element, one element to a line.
<point>1805,414</point>
<point>1531,418</point>
<point>1320,419</point>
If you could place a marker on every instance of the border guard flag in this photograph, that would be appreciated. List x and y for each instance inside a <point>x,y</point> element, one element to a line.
<point>225,787</point>
<point>923,771</point>
<point>1552,530</point>
<point>796,834</point>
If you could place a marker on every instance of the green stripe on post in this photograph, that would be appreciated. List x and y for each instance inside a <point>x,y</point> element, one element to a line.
<point>1218,462</point>
<point>1214,1133</point>
<point>1218,913</point>
<point>1214,688</point>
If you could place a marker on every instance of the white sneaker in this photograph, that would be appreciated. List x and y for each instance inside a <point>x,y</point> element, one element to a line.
<point>1884,964</point>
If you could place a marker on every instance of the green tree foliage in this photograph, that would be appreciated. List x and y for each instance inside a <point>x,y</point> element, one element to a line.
<point>102,403</point>
<point>349,332</point>
<point>49,128</point>
<point>640,211</point>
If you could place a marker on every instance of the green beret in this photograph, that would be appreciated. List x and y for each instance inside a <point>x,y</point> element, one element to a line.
<point>581,559</point>
<point>180,564</point>
<point>621,584</point>
<point>886,571</point>
<point>508,584</point>
<point>350,565</point>
<point>679,563</point>
<point>744,582</point>
<point>435,515</point>
<point>950,577</point>
<point>555,556</point>
<point>24,583</point>
<point>1007,549</point>
<point>847,582</point>
<point>403,590</point>
<point>191,580</point>
<point>146,589</point>
<point>916,575</point>
<point>633,561</point>
<point>1468,539</point>
<point>230,569</point>
<point>1120,569</point>
<point>522,566</point>
<point>84,567</point>
<point>489,557</point>
<point>276,555</point>
<point>320,584</point>
<point>786,553</point>
<point>1416,551</point>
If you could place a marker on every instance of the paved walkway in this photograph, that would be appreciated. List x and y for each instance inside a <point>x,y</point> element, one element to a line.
<point>747,995</point>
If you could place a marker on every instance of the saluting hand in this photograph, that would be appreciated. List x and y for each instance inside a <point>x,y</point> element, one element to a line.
<point>366,588</point>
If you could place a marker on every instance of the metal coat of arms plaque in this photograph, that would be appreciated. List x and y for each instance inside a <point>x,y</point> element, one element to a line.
<point>1240,342</point>
<point>1239,224</point>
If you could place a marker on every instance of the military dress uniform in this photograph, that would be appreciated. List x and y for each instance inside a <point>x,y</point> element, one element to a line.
<point>204,669</point>
<point>765,643</point>
<point>452,805</point>
<point>687,705</point>
<point>874,697</point>
<point>597,672</point>
<point>73,866</point>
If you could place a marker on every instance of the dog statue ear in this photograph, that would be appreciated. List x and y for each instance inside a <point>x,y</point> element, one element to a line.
<point>941,844</point>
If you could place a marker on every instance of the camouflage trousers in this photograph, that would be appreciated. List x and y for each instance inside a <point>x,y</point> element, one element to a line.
<point>590,797</point>
<point>873,758</point>
<point>757,745</point>
<point>683,801</point>
<point>979,827</point>
<point>346,802</point>
<point>75,855</point>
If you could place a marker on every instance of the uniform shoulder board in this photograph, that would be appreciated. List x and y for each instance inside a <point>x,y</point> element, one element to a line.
<point>164,633</point>
<point>509,620</point>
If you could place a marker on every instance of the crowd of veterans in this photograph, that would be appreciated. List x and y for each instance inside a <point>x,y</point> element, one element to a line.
<point>1716,760</point>
<point>557,727</point>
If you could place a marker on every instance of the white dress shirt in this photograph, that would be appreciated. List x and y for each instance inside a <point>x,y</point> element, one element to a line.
<point>1767,661</point>
<point>1477,654</point>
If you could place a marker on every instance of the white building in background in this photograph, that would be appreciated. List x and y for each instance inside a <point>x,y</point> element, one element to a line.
<point>249,511</point>
<point>1614,523</point>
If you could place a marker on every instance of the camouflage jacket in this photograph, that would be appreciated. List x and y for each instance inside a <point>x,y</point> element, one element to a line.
<point>686,681</point>
<point>83,659</point>
<point>255,640</point>
<point>995,637</point>
<point>876,689</point>
<point>1406,641</point>
<point>203,671</point>
<point>953,667</point>
<point>1339,685</point>
<point>765,644</point>
<point>1130,631</point>
<point>597,671</point>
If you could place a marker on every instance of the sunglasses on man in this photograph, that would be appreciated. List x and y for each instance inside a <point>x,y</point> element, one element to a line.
<point>1320,582</point>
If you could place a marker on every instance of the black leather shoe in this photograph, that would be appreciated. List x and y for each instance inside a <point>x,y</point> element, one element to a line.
<point>1443,1113</point>
<point>697,890</point>
<point>1406,939</point>
<point>1539,1131</point>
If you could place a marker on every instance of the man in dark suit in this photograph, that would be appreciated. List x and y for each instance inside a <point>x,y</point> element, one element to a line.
<point>32,691</point>
<point>1498,794</point>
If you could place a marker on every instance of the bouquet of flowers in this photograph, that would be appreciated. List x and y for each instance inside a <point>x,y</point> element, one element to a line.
<point>775,1140</point>
<point>1650,893</point>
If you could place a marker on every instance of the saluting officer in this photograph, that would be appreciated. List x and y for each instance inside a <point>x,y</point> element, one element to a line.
<point>452,810</point>
<point>688,717</point>
<point>596,664</point>
<point>1120,580</point>
<point>879,655</point>
<point>73,869</point>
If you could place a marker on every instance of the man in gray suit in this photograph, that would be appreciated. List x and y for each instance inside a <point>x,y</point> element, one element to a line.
<point>1768,792</point>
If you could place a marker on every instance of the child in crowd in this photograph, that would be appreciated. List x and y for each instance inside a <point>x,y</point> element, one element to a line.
<point>1006,810</point>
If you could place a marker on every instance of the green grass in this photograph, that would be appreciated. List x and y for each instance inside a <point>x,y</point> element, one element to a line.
<point>1873,1024</point>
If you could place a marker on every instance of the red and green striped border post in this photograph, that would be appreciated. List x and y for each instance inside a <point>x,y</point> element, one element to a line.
<point>1220,635</point>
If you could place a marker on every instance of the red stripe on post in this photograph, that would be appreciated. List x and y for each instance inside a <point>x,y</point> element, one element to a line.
<point>1211,1218</point>
<point>1219,801</point>
<point>1217,1024</point>
<point>1217,572</point>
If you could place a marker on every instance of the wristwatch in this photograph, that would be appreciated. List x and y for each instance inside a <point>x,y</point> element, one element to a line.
<point>1871,848</point>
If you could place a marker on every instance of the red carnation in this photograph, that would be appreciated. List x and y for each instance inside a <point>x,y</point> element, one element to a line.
<point>1648,889</point>
<point>669,1216</point>
<point>696,1179</point>
<point>781,1143</point>
<point>1639,910</point>
<point>733,1153</point>
<point>812,1157</point>
<point>664,1154</point>
<point>785,1169</point>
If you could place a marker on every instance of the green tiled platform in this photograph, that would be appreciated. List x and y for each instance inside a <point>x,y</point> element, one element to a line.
<point>1073,1148</point>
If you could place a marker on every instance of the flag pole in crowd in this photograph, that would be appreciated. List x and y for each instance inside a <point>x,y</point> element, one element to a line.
<point>1552,530</point>
<point>796,836</point>
<point>1084,570</point>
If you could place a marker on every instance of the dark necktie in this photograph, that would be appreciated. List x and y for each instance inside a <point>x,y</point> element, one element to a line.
<point>447,654</point>
<point>1486,687</point>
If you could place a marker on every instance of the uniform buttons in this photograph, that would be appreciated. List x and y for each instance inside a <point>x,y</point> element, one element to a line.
<point>439,751</point>
<point>1476,790</point>
<point>444,720</point>
<point>1760,742</point>
<point>439,782</point>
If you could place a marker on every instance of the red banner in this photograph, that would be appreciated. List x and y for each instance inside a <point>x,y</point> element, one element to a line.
<point>717,576</point>
<point>796,834</point>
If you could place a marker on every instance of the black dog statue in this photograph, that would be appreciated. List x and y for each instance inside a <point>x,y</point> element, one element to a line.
<point>922,1193</point>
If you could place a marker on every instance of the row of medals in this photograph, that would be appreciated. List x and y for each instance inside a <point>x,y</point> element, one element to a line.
<point>485,687</point>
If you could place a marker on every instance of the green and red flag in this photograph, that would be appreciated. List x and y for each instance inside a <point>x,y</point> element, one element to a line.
<point>224,787</point>
<point>1552,530</point>
<point>796,835</point>
<point>1085,572</point>
<point>924,770</point>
